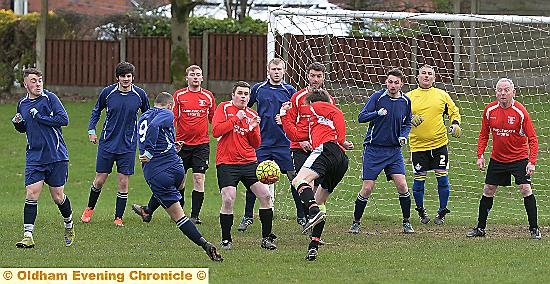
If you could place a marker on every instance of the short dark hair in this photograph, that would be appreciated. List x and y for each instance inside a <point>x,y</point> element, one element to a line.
<point>397,73</point>
<point>318,95</point>
<point>164,98</point>
<point>240,84</point>
<point>317,66</point>
<point>30,71</point>
<point>124,68</point>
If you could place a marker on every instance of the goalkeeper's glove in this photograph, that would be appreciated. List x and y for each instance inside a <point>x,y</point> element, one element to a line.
<point>416,120</point>
<point>455,130</point>
<point>382,112</point>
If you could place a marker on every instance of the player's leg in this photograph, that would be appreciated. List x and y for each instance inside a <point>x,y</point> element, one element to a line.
<point>395,170</point>
<point>228,178</point>
<point>56,179</point>
<point>262,154</point>
<point>529,201</point>
<point>265,212</point>
<point>283,157</point>
<point>321,196</point>
<point>34,180</point>
<point>146,212</point>
<point>420,164</point>
<point>299,157</point>
<point>104,166</point>
<point>441,167</point>
<point>125,168</point>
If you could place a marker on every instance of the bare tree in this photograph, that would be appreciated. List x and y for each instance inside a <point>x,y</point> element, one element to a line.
<point>180,39</point>
<point>237,9</point>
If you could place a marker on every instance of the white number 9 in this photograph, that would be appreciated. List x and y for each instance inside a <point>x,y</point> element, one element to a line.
<point>142,130</point>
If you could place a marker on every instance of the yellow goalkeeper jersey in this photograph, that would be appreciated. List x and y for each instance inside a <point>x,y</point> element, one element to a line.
<point>432,105</point>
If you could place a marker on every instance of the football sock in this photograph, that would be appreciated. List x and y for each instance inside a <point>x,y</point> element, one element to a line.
<point>29,216</point>
<point>94,196</point>
<point>226,222</point>
<point>190,230</point>
<point>318,230</point>
<point>360,204</point>
<point>152,205</point>
<point>249,204</point>
<point>266,217</point>
<point>443,189</point>
<point>182,200</point>
<point>66,211</point>
<point>301,211</point>
<point>405,203</point>
<point>485,205</point>
<point>307,196</point>
<point>197,199</point>
<point>531,208</point>
<point>121,199</point>
<point>418,190</point>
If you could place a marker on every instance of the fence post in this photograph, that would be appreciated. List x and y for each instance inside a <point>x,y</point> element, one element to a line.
<point>122,47</point>
<point>204,58</point>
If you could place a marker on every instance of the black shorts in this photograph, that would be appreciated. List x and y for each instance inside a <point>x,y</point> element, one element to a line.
<point>501,173</point>
<point>330,162</point>
<point>299,157</point>
<point>230,175</point>
<point>195,157</point>
<point>435,159</point>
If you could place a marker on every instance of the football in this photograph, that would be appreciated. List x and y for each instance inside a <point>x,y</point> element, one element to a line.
<point>268,172</point>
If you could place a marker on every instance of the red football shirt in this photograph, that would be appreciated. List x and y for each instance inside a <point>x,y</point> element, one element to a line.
<point>514,136</point>
<point>192,112</point>
<point>237,143</point>
<point>299,115</point>
<point>326,123</point>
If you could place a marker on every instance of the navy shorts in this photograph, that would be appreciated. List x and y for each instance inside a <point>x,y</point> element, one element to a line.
<point>124,162</point>
<point>230,175</point>
<point>54,174</point>
<point>165,185</point>
<point>195,157</point>
<point>376,159</point>
<point>501,173</point>
<point>281,156</point>
<point>330,162</point>
<point>435,159</point>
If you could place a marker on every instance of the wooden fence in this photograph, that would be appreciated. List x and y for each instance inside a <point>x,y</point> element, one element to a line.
<point>231,57</point>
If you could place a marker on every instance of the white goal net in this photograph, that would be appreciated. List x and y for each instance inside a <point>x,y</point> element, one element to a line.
<point>469,52</point>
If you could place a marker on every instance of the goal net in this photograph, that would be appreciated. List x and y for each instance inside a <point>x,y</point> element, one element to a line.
<point>469,52</point>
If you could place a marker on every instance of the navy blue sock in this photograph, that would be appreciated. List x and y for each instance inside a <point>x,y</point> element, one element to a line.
<point>121,199</point>
<point>29,215</point>
<point>418,191</point>
<point>249,204</point>
<point>443,190</point>
<point>405,203</point>
<point>360,204</point>
<point>266,217</point>
<point>197,199</point>
<point>182,200</point>
<point>226,222</point>
<point>65,207</point>
<point>300,210</point>
<point>94,196</point>
<point>152,205</point>
<point>190,230</point>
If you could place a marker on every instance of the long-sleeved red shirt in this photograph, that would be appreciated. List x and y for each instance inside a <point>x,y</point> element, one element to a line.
<point>514,136</point>
<point>192,113</point>
<point>326,123</point>
<point>237,143</point>
<point>299,114</point>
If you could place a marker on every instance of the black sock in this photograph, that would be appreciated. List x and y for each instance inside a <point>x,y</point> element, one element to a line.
<point>94,196</point>
<point>485,205</point>
<point>405,203</point>
<point>249,204</point>
<point>360,204</point>
<point>66,211</point>
<point>196,199</point>
<point>531,208</point>
<point>29,215</point>
<point>121,200</point>
<point>308,198</point>
<point>190,230</point>
<point>300,212</point>
<point>318,230</point>
<point>226,222</point>
<point>152,205</point>
<point>266,217</point>
<point>182,200</point>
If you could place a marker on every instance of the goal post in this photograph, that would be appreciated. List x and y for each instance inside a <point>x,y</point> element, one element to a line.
<point>469,53</point>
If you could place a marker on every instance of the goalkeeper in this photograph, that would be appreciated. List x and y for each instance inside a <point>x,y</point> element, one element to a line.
<point>428,140</point>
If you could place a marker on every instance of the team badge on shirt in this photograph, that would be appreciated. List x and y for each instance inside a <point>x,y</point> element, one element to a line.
<point>511,119</point>
<point>202,103</point>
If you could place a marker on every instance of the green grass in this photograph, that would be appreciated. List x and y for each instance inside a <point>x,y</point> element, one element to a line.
<point>434,254</point>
